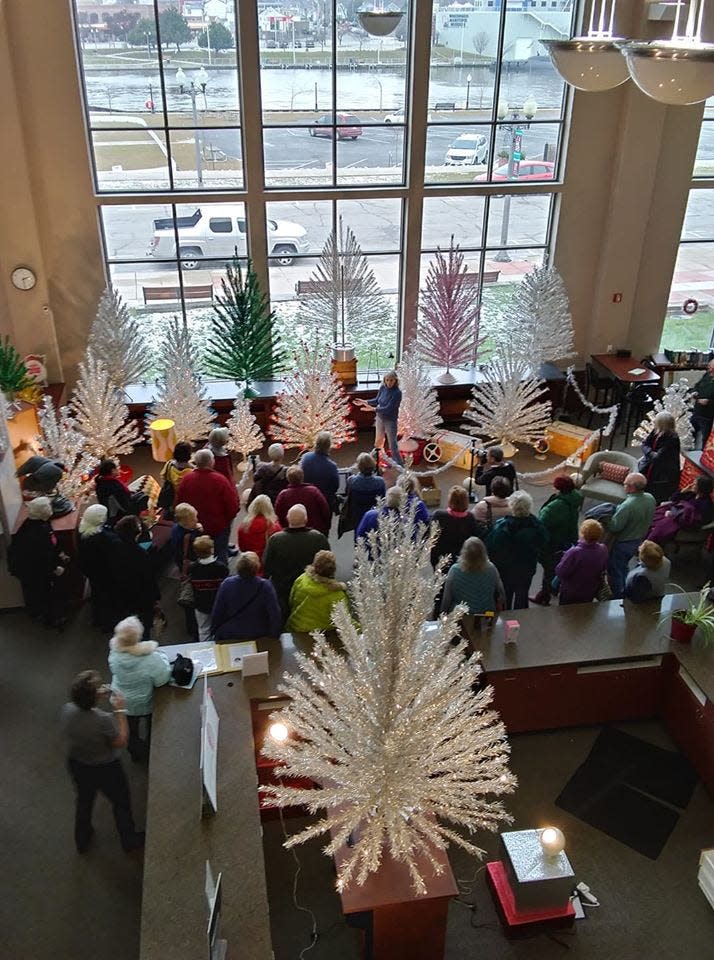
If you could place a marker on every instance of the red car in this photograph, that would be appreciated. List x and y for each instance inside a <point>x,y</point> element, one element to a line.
<point>347,126</point>
<point>527,170</point>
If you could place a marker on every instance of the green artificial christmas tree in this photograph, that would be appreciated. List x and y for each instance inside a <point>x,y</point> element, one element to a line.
<point>244,343</point>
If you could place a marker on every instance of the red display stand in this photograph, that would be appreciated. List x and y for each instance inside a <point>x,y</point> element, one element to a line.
<point>520,923</point>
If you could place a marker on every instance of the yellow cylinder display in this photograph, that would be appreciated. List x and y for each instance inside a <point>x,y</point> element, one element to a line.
<point>163,439</point>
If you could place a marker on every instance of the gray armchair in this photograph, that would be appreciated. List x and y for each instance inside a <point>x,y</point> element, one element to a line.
<point>594,487</point>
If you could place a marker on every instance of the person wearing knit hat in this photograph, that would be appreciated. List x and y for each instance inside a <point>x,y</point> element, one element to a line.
<point>137,667</point>
<point>559,515</point>
<point>97,542</point>
<point>35,559</point>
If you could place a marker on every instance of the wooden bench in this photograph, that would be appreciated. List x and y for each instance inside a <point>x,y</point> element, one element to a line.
<point>445,105</point>
<point>190,292</point>
<point>305,287</point>
<point>488,276</point>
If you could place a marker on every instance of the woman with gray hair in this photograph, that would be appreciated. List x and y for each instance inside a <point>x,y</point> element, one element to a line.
<point>473,580</point>
<point>97,543</point>
<point>515,544</point>
<point>660,457</point>
<point>35,559</point>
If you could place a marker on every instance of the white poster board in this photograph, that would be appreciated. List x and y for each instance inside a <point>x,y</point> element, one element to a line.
<point>209,753</point>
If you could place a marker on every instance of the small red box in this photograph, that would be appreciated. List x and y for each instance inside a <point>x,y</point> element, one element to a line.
<point>522,923</point>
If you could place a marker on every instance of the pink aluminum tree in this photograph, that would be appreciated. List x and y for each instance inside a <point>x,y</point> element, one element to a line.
<point>450,314</point>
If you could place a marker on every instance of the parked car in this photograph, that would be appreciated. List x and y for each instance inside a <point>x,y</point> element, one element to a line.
<point>527,170</point>
<point>219,233</point>
<point>467,150</point>
<point>346,125</point>
<point>399,117</point>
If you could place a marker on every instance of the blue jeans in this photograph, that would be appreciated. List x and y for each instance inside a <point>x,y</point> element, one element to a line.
<point>621,552</point>
<point>388,428</point>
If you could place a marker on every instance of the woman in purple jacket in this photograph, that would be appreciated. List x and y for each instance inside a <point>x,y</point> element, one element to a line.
<point>386,409</point>
<point>582,567</point>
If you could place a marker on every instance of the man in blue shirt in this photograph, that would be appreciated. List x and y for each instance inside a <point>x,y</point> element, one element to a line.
<point>320,470</point>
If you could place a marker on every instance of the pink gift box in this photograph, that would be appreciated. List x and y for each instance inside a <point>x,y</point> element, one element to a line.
<point>513,628</point>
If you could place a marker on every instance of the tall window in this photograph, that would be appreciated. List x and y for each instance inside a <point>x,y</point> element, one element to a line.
<point>175,120</point>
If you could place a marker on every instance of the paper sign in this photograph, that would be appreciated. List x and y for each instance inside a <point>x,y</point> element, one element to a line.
<point>636,371</point>
<point>237,651</point>
<point>255,664</point>
<point>210,751</point>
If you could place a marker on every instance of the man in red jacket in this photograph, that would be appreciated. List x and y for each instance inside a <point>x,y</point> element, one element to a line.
<point>215,499</point>
<point>319,515</point>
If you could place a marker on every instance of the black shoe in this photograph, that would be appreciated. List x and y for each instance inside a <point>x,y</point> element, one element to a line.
<point>136,843</point>
<point>86,844</point>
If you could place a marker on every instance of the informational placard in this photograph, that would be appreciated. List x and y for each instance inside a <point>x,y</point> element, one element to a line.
<point>216,946</point>
<point>209,754</point>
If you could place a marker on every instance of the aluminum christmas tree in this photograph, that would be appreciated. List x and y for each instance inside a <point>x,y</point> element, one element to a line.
<point>390,725</point>
<point>245,434</point>
<point>61,440</point>
<point>537,321</point>
<point>449,314</point>
<point>509,407</point>
<point>313,399</point>
<point>244,343</point>
<point>116,339</point>
<point>347,304</point>
<point>678,400</point>
<point>180,394</point>
<point>100,414</point>
<point>419,410</point>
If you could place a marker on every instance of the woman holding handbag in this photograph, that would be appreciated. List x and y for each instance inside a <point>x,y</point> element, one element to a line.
<point>246,606</point>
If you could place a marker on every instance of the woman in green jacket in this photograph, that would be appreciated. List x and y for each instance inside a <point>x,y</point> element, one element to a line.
<point>514,545</point>
<point>314,594</point>
<point>559,515</point>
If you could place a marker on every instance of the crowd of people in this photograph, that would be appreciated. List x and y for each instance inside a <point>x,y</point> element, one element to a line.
<point>285,573</point>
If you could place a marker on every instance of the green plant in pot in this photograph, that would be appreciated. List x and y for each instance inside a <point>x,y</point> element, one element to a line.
<point>698,614</point>
<point>13,372</point>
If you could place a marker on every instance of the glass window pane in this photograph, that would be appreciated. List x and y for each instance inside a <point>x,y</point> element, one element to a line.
<point>461,217</point>
<point>314,217</point>
<point>525,151</point>
<point>295,63</point>
<point>693,280</point>
<point>298,157</point>
<point>130,158</point>
<point>518,220</point>
<point>704,161</point>
<point>699,217</point>
<point>504,277</point>
<point>206,159</point>
<point>377,224</point>
<point>457,154</point>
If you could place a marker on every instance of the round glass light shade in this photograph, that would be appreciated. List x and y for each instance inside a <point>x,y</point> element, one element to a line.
<point>587,64</point>
<point>380,23</point>
<point>672,72</point>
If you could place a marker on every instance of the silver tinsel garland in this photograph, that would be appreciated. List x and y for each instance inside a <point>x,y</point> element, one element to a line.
<point>61,440</point>
<point>404,749</point>
<point>536,322</point>
<point>419,414</point>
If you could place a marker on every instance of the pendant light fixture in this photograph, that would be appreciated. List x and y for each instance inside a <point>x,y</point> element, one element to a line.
<point>677,71</point>
<point>594,62</point>
<point>378,20</point>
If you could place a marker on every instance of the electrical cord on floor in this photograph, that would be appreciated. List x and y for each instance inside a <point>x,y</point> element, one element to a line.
<point>298,906</point>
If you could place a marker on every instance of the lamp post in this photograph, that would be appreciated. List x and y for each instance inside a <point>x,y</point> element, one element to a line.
<point>515,128</point>
<point>190,87</point>
<point>468,89</point>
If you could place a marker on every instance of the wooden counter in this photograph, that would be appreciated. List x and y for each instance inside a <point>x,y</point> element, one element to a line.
<point>587,663</point>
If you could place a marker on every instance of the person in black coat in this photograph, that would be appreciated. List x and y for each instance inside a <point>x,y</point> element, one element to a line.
<point>492,466</point>
<point>660,458</point>
<point>134,585</point>
<point>35,559</point>
<point>456,525</point>
<point>97,543</point>
<point>114,494</point>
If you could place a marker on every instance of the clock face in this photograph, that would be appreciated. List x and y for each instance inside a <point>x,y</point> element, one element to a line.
<point>23,278</point>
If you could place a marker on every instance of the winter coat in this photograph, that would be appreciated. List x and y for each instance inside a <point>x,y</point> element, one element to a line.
<point>559,515</point>
<point>580,572</point>
<point>213,496</point>
<point>136,670</point>
<point>246,608</point>
<point>255,536</point>
<point>322,473</point>
<point>175,474</point>
<point>421,513</point>
<point>95,555</point>
<point>454,531</point>
<point>660,464</point>
<point>486,475</point>
<point>206,576</point>
<point>222,463</point>
<point>286,556</point>
<point>34,553</point>
<point>685,512</point>
<point>319,515</point>
<point>515,543</point>
<point>363,491</point>
<point>311,601</point>
<point>270,479</point>
<point>481,590</point>
<point>133,580</point>
<point>387,402</point>
<point>181,550</point>
<point>112,487</point>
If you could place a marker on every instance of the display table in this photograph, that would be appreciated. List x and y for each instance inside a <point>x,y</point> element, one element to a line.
<point>620,367</point>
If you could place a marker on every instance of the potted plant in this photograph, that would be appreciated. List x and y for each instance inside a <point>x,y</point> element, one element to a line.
<point>13,372</point>
<point>697,614</point>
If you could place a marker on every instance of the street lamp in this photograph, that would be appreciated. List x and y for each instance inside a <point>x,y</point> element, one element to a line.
<point>189,86</point>
<point>518,114</point>
<point>468,88</point>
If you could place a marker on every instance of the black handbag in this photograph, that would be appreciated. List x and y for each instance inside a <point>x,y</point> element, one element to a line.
<point>182,670</point>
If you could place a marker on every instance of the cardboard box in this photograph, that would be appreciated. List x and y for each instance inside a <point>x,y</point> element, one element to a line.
<point>565,438</point>
<point>451,442</point>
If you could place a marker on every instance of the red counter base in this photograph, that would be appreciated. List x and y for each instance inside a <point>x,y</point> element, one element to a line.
<point>519,923</point>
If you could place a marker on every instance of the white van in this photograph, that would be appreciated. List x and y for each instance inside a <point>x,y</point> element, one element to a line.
<point>467,150</point>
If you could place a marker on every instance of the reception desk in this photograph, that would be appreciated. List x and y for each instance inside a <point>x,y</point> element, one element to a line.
<point>585,664</point>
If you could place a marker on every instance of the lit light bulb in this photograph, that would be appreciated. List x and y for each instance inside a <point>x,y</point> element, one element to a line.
<point>278,732</point>
<point>552,840</point>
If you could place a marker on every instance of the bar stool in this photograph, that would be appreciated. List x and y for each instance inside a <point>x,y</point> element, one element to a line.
<point>603,387</point>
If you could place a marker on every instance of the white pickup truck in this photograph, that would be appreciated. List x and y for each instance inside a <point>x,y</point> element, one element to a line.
<point>219,233</point>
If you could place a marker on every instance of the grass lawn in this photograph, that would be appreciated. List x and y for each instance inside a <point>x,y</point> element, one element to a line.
<point>688,332</point>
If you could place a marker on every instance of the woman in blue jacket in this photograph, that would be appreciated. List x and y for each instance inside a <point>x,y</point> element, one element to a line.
<point>386,409</point>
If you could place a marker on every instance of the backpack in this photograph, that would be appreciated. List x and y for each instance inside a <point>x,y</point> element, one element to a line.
<point>182,670</point>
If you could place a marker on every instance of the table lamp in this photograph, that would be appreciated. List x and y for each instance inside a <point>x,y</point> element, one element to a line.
<point>163,439</point>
